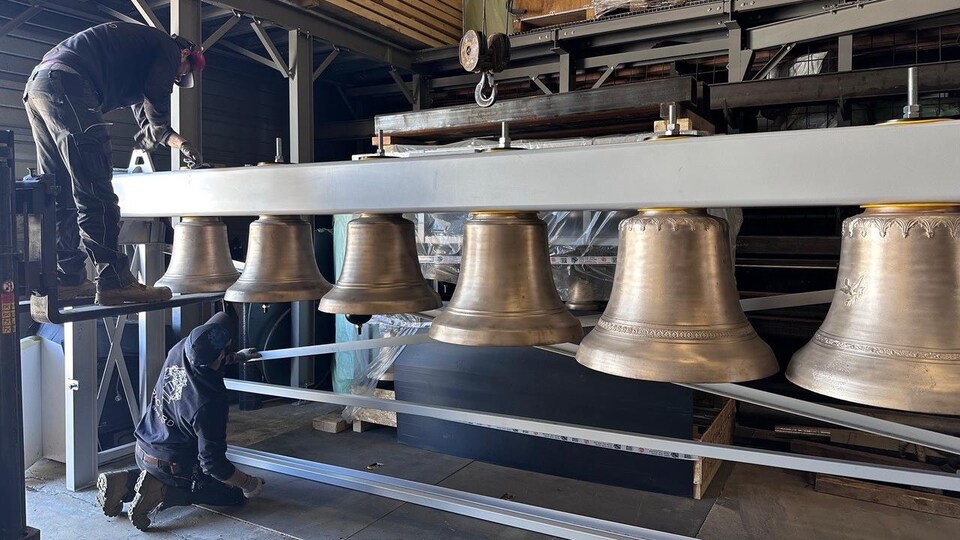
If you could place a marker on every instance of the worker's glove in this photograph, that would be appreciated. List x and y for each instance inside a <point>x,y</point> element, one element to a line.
<point>244,355</point>
<point>190,155</point>
<point>252,487</point>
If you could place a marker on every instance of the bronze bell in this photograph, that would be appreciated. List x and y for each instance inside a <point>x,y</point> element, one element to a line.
<point>505,295</point>
<point>381,270</point>
<point>674,313</point>
<point>201,260</point>
<point>582,296</point>
<point>281,265</point>
<point>891,336</point>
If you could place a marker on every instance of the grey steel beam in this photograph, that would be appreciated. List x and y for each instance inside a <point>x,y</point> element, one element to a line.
<point>271,48</point>
<point>252,56</point>
<point>657,445</point>
<point>151,324</point>
<point>845,53</point>
<point>845,19</point>
<point>606,75</point>
<point>327,62</point>
<point>327,29</point>
<point>221,31</point>
<point>619,99</point>
<point>186,103</point>
<point>541,85</point>
<point>300,86</point>
<point>869,83</point>
<point>117,15</point>
<point>23,17</point>
<point>148,15</point>
<point>707,172</point>
<point>542,520</point>
<point>697,49</point>
<point>80,386</point>
<point>402,85</point>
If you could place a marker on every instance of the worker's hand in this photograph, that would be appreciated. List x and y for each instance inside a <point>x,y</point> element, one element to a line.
<point>244,355</point>
<point>252,487</point>
<point>190,155</point>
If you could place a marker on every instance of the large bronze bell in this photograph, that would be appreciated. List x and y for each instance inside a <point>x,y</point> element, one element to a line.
<point>201,259</point>
<point>891,338</point>
<point>505,295</point>
<point>381,270</point>
<point>281,265</point>
<point>674,314</point>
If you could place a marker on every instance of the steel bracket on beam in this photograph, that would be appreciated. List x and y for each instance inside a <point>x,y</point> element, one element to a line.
<point>327,62</point>
<point>220,32</point>
<point>271,48</point>
<point>148,15</point>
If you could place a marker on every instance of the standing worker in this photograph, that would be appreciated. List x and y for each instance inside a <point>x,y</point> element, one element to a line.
<point>103,68</point>
<point>182,436</point>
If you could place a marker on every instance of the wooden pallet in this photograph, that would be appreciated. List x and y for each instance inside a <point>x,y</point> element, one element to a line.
<point>431,22</point>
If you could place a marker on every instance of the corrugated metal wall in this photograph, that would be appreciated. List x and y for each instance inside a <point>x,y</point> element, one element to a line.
<point>244,103</point>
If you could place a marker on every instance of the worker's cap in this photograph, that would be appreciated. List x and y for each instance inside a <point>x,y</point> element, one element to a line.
<point>198,62</point>
<point>205,343</point>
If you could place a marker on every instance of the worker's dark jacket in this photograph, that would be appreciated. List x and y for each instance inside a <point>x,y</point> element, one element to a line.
<point>128,65</point>
<point>187,419</point>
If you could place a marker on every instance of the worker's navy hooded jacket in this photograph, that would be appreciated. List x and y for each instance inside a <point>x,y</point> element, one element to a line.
<point>187,418</point>
<point>129,65</point>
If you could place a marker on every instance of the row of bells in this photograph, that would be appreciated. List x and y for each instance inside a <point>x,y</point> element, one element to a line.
<point>890,338</point>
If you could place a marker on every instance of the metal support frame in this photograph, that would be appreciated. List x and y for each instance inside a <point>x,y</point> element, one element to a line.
<point>774,61</point>
<point>567,71</point>
<point>220,32</point>
<point>80,354</point>
<point>118,15</point>
<point>402,85</point>
<point>252,55</point>
<point>186,103</point>
<point>535,79</point>
<point>23,17</point>
<point>148,15</point>
<point>327,62</point>
<point>605,75</point>
<point>116,362</point>
<point>302,314</point>
<point>271,48</point>
<point>151,324</point>
<point>845,53</point>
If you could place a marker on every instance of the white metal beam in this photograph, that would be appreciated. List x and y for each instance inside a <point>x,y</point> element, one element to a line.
<point>840,166</point>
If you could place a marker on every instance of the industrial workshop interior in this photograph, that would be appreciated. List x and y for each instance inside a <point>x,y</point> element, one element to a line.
<point>479,269</point>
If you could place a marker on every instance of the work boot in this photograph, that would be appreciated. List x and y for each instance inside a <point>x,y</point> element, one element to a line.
<point>86,289</point>
<point>149,495</point>
<point>114,489</point>
<point>134,293</point>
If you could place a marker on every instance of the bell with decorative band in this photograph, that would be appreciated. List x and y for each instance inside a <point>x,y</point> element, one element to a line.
<point>505,295</point>
<point>201,260</point>
<point>891,336</point>
<point>674,313</point>
<point>281,265</point>
<point>381,270</point>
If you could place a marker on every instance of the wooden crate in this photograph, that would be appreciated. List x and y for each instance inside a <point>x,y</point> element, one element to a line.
<point>720,431</point>
<point>543,13</point>
<point>433,23</point>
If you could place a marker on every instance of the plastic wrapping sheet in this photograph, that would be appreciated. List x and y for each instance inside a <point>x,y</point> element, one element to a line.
<point>367,367</point>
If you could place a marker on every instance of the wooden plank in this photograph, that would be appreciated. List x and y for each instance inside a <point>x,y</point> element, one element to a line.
<point>431,11</point>
<point>431,19</point>
<point>553,19</point>
<point>374,416</point>
<point>429,39</point>
<point>888,495</point>
<point>330,423</point>
<point>388,8</point>
<point>811,448</point>
<point>377,12</point>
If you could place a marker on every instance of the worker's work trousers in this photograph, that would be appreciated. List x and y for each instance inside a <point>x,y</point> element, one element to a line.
<point>73,145</point>
<point>190,485</point>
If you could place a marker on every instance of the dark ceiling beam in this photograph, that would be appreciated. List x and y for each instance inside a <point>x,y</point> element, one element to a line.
<point>293,17</point>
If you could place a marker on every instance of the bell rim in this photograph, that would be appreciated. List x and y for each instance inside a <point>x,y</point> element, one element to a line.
<point>337,302</point>
<point>197,284</point>
<point>847,382</point>
<point>662,356</point>
<point>549,329</point>
<point>290,292</point>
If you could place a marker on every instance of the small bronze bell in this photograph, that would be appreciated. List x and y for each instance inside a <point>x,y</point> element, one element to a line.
<point>505,295</point>
<point>381,270</point>
<point>891,336</point>
<point>201,259</point>
<point>281,265</point>
<point>674,313</point>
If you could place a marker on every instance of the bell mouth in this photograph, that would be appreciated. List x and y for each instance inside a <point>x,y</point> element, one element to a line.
<point>909,121</point>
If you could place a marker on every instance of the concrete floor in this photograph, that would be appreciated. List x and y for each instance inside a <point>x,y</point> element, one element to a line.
<point>744,502</point>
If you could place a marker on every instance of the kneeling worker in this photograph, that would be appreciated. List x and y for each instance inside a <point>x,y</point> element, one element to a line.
<point>181,438</point>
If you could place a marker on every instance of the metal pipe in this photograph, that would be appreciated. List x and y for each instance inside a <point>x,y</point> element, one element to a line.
<point>912,110</point>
